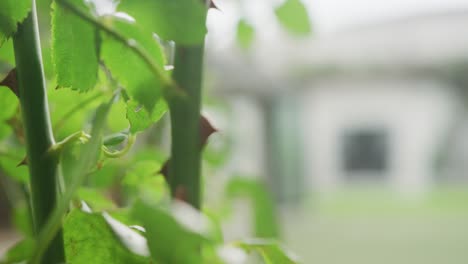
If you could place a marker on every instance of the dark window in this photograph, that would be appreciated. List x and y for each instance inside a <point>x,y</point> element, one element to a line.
<point>365,150</point>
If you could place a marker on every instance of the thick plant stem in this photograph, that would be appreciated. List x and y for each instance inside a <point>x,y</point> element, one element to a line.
<point>43,167</point>
<point>185,164</point>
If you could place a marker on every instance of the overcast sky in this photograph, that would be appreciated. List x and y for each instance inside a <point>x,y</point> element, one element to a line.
<point>328,16</point>
<point>331,15</point>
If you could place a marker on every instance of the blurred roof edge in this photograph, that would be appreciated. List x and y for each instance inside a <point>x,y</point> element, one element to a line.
<point>419,45</point>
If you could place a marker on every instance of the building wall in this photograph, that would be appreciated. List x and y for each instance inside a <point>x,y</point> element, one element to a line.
<point>415,114</point>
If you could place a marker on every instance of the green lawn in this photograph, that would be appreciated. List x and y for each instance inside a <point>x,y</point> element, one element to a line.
<point>375,227</point>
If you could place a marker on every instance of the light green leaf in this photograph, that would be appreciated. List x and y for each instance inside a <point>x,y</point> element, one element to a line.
<point>89,239</point>
<point>8,102</point>
<point>132,240</point>
<point>12,12</point>
<point>271,251</point>
<point>141,180</point>
<point>128,68</point>
<point>9,164</point>
<point>107,175</point>
<point>182,21</point>
<point>95,199</point>
<point>293,16</point>
<point>74,51</point>
<point>265,224</point>
<point>169,240</point>
<point>7,57</point>
<point>140,119</point>
<point>245,34</point>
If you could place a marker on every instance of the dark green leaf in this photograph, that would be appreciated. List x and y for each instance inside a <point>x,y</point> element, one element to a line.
<point>170,241</point>
<point>293,16</point>
<point>140,119</point>
<point>128,68</point>
<point>89,239</point>
<point>182,21</point>
<point>245,34</point>
<point>74,50</point>
<point>115,139</point>
<point>271,251</point>
<point>12,12</point>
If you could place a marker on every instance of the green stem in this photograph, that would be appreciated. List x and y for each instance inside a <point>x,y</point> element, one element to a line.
<point>185,163</point>
<point>78,175</point>
<point>43,168</point>
<point>119,153</point>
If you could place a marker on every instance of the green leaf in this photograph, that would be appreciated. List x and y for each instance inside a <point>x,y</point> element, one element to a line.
<point>271,251</point>
<point>140,119</point>
<point>21,251</point>
<point>115,139</point>
<point>182,21</point>
<point>89,239</point>
<point>293,16</point>
<point>245,34</point>
<point>12,12</point>
<point>22,219</point>
<point>169,240</point>
<point>117,120</point>
<point>127,67</point>
<point>95,199</point>
<point>74,49</point>
<point>70,110</point>
<point>7,57</point>
<point>8,102</point>
<point>141,181</point>
<point>107,175</point>
<point>265,224</point>
<point>9,164</point>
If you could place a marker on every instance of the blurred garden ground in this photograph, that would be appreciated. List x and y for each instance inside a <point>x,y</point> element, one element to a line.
<point>372,227</point>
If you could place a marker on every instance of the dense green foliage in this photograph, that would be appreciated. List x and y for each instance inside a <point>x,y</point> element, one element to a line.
<point>108,81</point>
<point>12,12</point>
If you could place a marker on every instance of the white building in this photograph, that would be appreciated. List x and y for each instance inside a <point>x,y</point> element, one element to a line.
<point>377,104</point>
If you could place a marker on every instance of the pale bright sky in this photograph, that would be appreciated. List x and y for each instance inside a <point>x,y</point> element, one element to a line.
<point>331,15</point>
<point>328,16</point>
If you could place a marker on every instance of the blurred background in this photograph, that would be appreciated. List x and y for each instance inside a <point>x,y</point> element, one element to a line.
<point>358,128</point>
<point>356,125</point>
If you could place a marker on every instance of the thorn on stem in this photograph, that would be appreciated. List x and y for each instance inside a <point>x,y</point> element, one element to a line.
<point>23,162</point>
<point>213,5</point>
<point>11,82</point>
<point>206,130</point>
